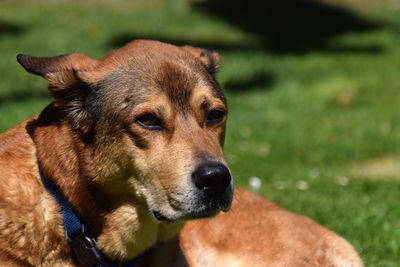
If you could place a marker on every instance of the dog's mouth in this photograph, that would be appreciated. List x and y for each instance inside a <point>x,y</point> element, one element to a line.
<point>203,210</point>
<point>159,216</point>
<point>199,214</point>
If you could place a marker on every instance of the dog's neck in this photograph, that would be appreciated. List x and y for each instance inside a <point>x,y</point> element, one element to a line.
<point>122,225</point>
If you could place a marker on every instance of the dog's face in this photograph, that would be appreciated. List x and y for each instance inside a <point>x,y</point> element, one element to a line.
<point>155,119</point>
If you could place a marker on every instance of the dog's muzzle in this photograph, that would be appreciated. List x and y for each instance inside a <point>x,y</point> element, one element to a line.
<point>214,181</point>
<point>212,192</point>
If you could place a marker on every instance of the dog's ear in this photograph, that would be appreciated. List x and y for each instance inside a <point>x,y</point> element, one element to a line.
<point>209,58</point>
<point>68,83</point>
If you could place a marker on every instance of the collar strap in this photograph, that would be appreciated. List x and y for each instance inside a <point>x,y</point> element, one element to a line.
<point>83,246</point>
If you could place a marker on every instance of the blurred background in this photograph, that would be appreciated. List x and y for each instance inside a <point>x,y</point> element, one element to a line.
<point>312,87</point>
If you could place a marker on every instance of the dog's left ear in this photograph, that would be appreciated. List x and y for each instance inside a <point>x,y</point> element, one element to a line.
<point>69,83</point>
<point>209,58</point>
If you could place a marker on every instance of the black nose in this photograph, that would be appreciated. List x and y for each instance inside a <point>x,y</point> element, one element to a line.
<point>212,178</point>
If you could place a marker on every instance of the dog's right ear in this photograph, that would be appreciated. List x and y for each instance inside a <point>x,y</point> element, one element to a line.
<point>68,82</point>
<point>210,59</point>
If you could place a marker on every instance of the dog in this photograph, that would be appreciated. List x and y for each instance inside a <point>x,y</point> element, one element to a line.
<point>129,150</point>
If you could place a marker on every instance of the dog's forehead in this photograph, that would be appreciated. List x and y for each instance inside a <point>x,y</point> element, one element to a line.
<point>178,82</point>
<point>148,68</point>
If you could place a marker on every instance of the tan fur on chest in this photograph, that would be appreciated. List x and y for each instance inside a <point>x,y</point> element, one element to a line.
<point>132,231</point>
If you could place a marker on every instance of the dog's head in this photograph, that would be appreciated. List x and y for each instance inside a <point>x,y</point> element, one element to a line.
<point>154,117</point>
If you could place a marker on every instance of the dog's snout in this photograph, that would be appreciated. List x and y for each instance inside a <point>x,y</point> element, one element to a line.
<point>212,178</point>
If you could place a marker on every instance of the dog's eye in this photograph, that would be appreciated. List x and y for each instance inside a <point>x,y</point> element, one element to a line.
<point>214,116</point>
<point>149,121</point>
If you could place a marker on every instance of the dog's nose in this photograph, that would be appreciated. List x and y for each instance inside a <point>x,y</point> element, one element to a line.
<point>212,178</point>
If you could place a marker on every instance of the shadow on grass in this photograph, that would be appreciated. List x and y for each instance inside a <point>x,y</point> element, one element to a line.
<point>291,26</point>
<point>23,96</point>
<point>285,26</point>
<point>7,29</point>
<point>281,27</point>
<point>124,38</point>
<point>256,81</point>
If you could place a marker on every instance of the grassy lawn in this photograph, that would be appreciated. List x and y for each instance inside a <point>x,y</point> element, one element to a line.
<point>313,91</point>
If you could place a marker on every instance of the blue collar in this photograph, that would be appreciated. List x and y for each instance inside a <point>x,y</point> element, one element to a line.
<point>83,246</point>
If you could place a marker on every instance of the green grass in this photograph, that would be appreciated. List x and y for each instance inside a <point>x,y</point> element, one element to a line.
<point>307,119</point>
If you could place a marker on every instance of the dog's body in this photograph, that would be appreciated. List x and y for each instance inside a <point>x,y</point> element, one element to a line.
<point>134,143</point>
<point>259,233</point>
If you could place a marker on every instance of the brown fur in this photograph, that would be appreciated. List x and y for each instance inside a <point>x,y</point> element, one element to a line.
<point>257,232</point>
<point>117,174</point>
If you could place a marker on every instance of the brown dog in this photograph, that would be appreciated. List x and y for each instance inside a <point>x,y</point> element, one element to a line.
<point>133,142</point>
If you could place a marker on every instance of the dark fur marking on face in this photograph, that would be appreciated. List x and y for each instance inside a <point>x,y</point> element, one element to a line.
<point>137,139</point>
<point>205,105</point>
<point>216,89</point>
<point>177,82</point>
<point>222,138</point>
<point>118,94</point>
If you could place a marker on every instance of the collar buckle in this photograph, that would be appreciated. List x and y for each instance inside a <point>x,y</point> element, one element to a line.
<point>85,250</point>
